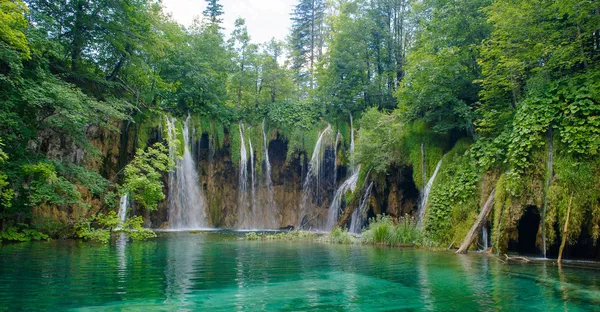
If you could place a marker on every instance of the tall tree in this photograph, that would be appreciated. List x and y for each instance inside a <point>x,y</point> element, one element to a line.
<point>214,11</point>
<point>244,52</point>
<point>307,39</point>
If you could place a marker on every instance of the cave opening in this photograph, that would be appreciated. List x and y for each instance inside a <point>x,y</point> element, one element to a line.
<point>527,228</point>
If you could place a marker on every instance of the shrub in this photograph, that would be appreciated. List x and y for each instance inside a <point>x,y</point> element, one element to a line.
<point>383,230</point>
<point>23,234</point>
<point>339,236</point>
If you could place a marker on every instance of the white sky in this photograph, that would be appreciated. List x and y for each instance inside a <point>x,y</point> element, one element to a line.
<point>265,18</point>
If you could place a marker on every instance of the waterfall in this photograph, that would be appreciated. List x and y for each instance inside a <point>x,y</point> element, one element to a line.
<point>348,185</point>
<point>123,205</point>
<point>360,214</point>
<point>243,218</point>
<point>312,174</point>
<point>425,193</point>
<point>338,138</point>
<point>271,207</point>
<point>186,203</point>
<point>253,211</point>
<point>243,180</point>
<point>336,203</point>
<point>484,238</point>
<point>351,143</point>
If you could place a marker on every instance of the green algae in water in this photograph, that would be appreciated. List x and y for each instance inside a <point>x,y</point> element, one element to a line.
<point>223,272</point>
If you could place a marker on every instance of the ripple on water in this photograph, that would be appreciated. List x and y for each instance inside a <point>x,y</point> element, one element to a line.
<point>219,271</point>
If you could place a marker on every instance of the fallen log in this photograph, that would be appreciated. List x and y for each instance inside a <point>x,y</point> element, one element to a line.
<point>476,228</point>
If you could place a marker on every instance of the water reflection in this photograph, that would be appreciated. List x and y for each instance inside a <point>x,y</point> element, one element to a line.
<point>224,272</point>
<point>180,272</point>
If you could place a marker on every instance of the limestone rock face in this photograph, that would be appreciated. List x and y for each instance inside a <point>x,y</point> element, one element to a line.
<point>219,180</point>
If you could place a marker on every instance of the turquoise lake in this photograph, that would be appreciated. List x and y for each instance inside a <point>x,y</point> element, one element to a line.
<point>221,271</point>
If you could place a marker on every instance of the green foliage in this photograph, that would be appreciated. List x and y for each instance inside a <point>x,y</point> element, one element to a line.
<point>291,235</point>
<point>6,192</point>
<point>134,227</point>
<point>379,139</point>
<point>383,230</point>
<point>340,236</point>
<point>575,183</point>
<point>13,24</point>
<point>46,187</point>
<point>252,236</point>
<point>143,176</point>
<point>100,227</point>
<point>291,115</point>
<point>97,228</point>
<point>454,197</point>
<point>21,234</point>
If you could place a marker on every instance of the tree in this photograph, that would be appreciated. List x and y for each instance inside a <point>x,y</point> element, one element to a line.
<point>307,39</point>
<point>442,68</point>
<point>243,80</point>
<point>214,11</point>
<point>143,176</point>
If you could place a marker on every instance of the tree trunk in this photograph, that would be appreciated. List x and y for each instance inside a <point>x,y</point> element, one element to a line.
<point>352,205</point>
<point>78,39</point>
<point>564,233</point>
<point>476,228</point>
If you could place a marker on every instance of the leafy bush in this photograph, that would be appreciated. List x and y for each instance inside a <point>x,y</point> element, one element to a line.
<point>252,236</point>
<point>100,227</point>
<point>340,236</point>
<point>23,234</point>
<point>383,230</point>
<point>143,176</point>
<point>47,187</point>
<point>291,235</point>
<point>136,230</point>
<point>97,228</point>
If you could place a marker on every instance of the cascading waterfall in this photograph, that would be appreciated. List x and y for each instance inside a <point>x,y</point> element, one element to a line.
<point>271,207</point>
<point>336,203</point>
<point>123,206</point>
<point>360,214</point>
<point>425,193</point>
<point>254,213</point>
<point>243,207</point>
<point>186,203</point>
<point>312,175</point>
<point>348,185</point>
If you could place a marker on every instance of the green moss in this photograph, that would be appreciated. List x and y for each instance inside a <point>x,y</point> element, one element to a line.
<point>454,198</point>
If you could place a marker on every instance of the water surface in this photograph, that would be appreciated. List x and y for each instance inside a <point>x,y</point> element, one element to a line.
<point>223,272</point>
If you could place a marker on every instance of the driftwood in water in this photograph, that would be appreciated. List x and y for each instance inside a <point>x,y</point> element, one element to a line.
<point>516,259</point>
<point>564,233</point>
<point>476,228</point>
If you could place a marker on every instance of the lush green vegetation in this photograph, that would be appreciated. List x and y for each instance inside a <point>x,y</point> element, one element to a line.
<point>493,88</point>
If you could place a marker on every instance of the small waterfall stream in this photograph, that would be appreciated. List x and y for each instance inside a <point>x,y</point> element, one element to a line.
<point>336,203</point>
<point>271,207</point>
<point>425,194</point>
<point>312,176</point>
<point>484,238</point>
<point>348,185</point>
<point>253,212</point>
<point>360,214</point>
<point>185,204</point>
<point>244,207</point>
<point>123,206</point>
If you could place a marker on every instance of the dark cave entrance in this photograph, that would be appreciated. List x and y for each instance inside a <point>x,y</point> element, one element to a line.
<point>527,228</point>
